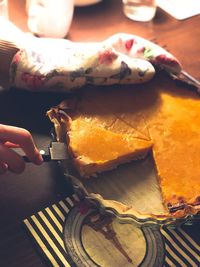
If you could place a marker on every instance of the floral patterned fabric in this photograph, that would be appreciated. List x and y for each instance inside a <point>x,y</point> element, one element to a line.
<point>61,65</point>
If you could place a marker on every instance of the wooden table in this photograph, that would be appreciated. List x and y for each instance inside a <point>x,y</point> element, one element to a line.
<point>22,195</point>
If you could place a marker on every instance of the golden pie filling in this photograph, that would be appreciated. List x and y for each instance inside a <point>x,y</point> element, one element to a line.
<point>110,127</point>
<point>98,147</point>
<point>176,149</point>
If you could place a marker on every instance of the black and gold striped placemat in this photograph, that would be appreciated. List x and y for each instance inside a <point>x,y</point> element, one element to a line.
<point>182,245</point>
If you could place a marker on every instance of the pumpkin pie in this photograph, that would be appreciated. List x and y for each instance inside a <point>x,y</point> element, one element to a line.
<point>107,127</point>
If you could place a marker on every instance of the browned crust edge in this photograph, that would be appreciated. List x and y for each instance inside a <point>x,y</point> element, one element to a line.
<point>180,210</point>
<point>125,210</point>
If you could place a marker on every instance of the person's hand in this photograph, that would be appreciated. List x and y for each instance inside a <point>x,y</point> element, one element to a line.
<point>13,137</point>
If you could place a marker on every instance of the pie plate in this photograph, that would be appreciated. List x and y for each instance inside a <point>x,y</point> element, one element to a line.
<point>131,192</point>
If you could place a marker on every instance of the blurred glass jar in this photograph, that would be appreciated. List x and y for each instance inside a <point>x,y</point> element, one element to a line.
<point>139,10</point>
<point>50,18</point>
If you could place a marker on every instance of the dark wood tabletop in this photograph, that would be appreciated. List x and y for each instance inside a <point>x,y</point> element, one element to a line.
<point>38,187</point>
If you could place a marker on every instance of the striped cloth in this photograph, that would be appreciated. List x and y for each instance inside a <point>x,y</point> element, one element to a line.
<point>182,245</point>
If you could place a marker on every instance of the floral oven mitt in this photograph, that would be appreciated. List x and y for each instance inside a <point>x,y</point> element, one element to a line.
<point>61,65</point>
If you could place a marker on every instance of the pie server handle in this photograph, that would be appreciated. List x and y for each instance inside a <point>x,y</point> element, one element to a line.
<point>56,151</point>
<point>184,78</point>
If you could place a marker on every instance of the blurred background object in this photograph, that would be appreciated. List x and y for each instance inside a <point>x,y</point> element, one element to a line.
<point>4,8</point>
<point>180,9</point>
<point>85,2</point>
<point>139,10</point>
<point>49,18</point>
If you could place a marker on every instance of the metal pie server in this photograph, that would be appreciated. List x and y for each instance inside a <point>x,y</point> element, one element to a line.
<point>56,151</point>
<point>185,78</point>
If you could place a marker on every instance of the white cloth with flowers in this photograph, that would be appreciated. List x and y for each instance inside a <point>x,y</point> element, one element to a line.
<point>62,65</point>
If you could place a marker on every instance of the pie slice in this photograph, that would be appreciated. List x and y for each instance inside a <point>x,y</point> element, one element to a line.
<point>105,128</point>
<point>96,149</point>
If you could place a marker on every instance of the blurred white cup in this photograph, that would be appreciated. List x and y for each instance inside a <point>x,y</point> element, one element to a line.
<point>50,18</point>
<point>139,10</point>
<point>4,9</point>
